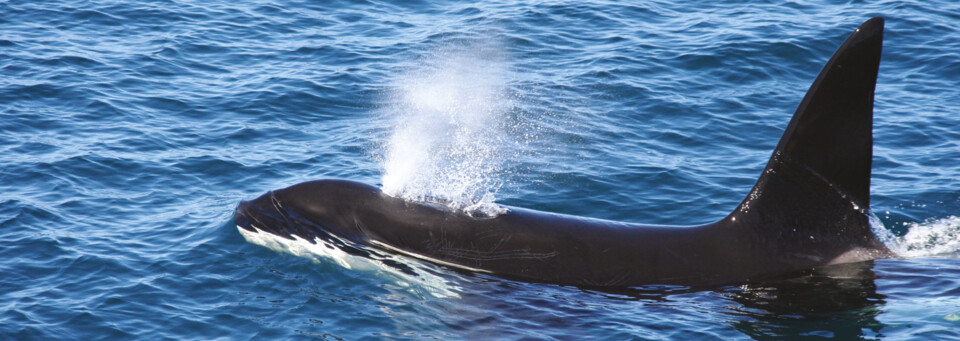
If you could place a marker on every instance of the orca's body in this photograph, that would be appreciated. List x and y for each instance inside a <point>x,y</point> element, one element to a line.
<point>809,208</point>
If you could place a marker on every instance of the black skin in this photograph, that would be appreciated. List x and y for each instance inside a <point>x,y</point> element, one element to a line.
<point>807,209</point>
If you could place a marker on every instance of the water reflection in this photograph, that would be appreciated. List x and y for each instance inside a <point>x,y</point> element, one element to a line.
<point>839,301</point>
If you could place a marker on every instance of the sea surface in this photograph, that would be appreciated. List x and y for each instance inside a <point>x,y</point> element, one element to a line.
<point>130,130</point>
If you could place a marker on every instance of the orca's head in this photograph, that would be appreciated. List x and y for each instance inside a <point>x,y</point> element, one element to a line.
<point>306,209</point>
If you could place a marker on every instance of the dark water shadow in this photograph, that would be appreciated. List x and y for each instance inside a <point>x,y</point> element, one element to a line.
<point>831,302</point>
<point>838,301</point>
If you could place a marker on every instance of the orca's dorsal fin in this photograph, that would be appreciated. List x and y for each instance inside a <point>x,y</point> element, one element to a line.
<point>831,132</point>
<point>815,191</point>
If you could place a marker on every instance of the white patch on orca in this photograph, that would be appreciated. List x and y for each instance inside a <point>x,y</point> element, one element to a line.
<point>856,255</point>
<point>320,251</point>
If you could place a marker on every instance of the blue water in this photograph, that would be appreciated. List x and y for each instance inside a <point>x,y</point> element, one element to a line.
<point>130,130</point>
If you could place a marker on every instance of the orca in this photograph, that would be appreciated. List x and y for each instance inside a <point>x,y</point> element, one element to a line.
<point>809,208</point>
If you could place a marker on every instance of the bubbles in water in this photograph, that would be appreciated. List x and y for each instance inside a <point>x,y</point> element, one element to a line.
<point>452,130</point>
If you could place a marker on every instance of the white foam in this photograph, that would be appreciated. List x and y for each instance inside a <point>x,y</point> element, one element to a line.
<point>881,232</point>
<point>930,238</point>
<point>423,281</point>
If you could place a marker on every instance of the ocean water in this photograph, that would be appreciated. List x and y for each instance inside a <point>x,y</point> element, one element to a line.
<point>130,130</point>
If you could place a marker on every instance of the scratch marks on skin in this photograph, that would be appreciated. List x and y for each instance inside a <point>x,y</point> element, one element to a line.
<point>441,247</point>
<point>503,240</point>
<point>277,205</point>
<point>482,256</point>
<point>361,227</point>
<point>426,258</point>
<point>496,252</point>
